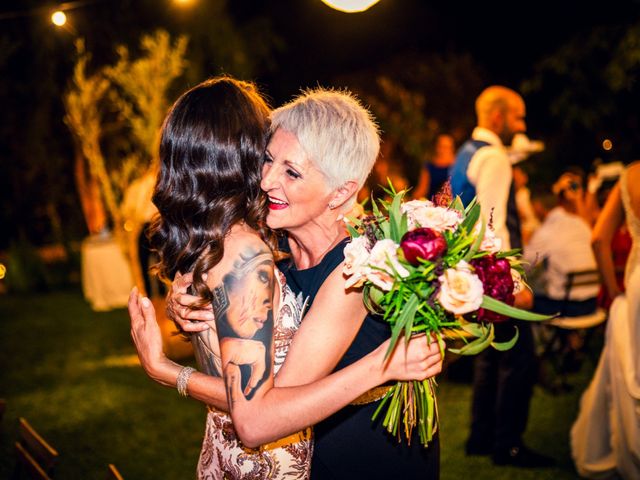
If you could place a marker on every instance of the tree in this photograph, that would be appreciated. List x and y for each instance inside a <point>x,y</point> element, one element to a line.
<point>115,115</point>
<point>588,90</point>
<point>415,97</point>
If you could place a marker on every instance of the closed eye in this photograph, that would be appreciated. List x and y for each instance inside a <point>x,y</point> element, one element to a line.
<point>293,173</point>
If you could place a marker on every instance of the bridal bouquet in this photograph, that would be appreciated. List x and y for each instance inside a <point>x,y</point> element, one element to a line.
<point>432,268</point>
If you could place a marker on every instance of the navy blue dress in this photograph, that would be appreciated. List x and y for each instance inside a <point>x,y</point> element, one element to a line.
<point>438,176</point>
<point>348,444</point>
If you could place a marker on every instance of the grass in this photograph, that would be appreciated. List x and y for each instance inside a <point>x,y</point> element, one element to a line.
<point>72,373</point>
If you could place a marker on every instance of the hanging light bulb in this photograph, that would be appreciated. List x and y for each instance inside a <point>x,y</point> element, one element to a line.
<point>58,18</point>
<point>350,6</point>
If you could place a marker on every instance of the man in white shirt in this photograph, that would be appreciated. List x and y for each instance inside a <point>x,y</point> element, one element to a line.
<point>503,381</point>
<point>563,244</point>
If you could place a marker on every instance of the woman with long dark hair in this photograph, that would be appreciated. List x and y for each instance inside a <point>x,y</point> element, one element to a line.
<point>212,224</point>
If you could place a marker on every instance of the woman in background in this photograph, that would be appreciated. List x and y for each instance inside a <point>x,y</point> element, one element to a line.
<point>436,171</point>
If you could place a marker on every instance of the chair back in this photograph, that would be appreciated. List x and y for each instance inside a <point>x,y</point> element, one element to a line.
<point>34,454</point>
<point>581,278</point>
<point>575,279</point>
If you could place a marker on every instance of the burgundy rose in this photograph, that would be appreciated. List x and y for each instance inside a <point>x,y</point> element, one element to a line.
<point>423,243</point>
<point>495,274</point>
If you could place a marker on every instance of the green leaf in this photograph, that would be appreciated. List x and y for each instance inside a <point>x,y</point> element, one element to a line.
<point>386,398</point>
<point>478,345</point>
<point>472,204</point>
<point>502,308</point>
<point>508,253</point>
<point>407,316</point>
<point>373,297</point>
<point>374,208</point>
<point>457,204</point>
<point>471,218</point>
<point>352,231</point>
<point>404,225</point>
<point>408,327</point>
<point>502,346</point>
<point>375,294</point>
<point>395,217</point>
<point>474,329</point>
<point>476,244</point>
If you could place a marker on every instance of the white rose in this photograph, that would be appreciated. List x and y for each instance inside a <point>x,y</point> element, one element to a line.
<point>490,243</point>
<point>356,258</point>
<point>408,207</point>
<point>460,290</point>
<point>384,264</point>
<point>424,213</point>
<point>413,209</point>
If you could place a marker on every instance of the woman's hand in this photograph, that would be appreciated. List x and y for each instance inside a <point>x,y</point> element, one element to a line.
<point>180,306</point>
<point>147,339</point>
<point>417,360</point>
<point>240,351</point>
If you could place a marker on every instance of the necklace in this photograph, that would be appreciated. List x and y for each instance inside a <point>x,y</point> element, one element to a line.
<point>314,260</point>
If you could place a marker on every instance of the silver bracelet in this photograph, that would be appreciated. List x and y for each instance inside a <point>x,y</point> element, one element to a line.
<point>183,380</point>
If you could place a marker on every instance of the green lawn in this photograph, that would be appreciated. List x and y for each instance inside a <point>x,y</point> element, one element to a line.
<point>69,371</point>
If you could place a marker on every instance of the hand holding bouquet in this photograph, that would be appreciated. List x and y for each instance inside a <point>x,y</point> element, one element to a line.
<point>434,268</point>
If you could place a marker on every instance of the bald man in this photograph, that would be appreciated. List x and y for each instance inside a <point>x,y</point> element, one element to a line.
<point>503,381</point>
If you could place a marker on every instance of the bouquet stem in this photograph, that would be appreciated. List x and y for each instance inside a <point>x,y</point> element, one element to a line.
<point>411,404</point>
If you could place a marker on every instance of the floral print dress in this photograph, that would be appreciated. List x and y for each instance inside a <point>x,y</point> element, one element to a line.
<point>224,457</point>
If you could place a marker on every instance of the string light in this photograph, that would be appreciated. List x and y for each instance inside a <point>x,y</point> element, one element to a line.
<point>607,144</point>
<point>61,8</point>
<point>58,18</point>
<point>350,6</point>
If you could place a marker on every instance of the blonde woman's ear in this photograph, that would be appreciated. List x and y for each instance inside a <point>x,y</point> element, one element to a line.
<point>343,193</point>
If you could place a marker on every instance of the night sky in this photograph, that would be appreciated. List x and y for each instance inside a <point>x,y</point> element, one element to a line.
<point>311,45</point>
<point>506,38</point>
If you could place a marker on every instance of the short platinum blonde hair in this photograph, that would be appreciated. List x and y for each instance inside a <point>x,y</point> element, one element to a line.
<point>337,132</point>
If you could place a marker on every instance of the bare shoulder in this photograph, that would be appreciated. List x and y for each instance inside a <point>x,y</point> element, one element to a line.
<point>243,251</point>
<point>241,238</point>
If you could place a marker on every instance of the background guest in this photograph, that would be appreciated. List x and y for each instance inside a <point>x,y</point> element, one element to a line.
<point>503,381</point>
<point>436,170</point>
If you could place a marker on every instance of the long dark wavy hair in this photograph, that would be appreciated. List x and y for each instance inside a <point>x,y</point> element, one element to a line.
<point>211,153</point>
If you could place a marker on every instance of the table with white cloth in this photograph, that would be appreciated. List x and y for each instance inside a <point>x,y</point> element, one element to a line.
<point>106,275</point>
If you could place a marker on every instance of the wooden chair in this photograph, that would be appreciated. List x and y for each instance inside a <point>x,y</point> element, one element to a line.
<point>34,455</point>
<point>580,279</point>
<point>556,345</point>
<point>113,473</point>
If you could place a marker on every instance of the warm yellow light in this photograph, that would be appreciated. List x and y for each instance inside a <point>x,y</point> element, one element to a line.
<point>351,6</point>
<point>128,226</point>
<point>58,18</point>
<point>607,144</point>
<point>183,2</point>
<point>3,271</point>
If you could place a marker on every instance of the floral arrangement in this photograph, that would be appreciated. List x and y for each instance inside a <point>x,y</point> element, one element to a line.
<point>433,268</point>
